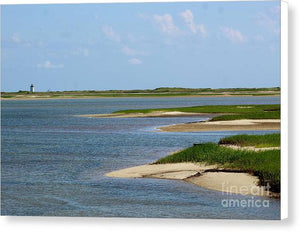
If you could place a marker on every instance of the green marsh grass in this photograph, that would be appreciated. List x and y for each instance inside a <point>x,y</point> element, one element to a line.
<point>229,112</point>
<point>267,140</point>
<point>264,164</point>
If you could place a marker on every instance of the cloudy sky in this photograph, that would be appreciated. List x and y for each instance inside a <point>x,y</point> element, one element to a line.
<point>139,46</point>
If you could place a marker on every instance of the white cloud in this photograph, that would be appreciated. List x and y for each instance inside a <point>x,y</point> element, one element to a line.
<point>19,41</point>
<point>81,52</point>
<point>47,64</point>
<point>188,17</point>
<point>233,35</point>
<point>135,61</point>
<point>271,24</point>
<point>166,24</point>
<point>132,52</point>
<point>15,38</point>
<point>110,33</point>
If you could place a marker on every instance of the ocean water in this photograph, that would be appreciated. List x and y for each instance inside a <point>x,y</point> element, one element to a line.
<point>53,162</point>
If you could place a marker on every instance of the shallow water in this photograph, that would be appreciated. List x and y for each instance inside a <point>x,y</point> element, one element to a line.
<point>53,162</point>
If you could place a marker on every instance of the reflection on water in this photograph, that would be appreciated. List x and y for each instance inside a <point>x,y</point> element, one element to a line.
<point>53,162</point>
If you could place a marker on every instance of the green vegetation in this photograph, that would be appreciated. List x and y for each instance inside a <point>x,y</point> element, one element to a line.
<point>267,140</point>
<point>264,164</point>
<point>158,92</point>
<point>229,112</point>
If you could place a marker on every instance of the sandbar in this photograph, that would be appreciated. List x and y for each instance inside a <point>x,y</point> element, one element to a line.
<point>147,115</point>
<point>230,125</point>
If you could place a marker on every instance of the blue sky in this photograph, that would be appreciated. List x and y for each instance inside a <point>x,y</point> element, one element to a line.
<point>140,46</point>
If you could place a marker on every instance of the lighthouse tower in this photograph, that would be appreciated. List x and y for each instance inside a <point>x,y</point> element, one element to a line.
<point>32,88</point>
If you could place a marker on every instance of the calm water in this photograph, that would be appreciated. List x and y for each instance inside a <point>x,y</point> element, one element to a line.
<point>53,162</point>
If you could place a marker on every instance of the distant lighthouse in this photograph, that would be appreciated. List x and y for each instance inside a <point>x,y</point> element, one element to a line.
<point>32,88</point>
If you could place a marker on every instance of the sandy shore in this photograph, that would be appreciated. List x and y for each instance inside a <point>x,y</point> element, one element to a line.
<point>232,125</point>
<point>229,182</point>
<point>209,177</point>
<point>147,115</point>
<point>177,171</point>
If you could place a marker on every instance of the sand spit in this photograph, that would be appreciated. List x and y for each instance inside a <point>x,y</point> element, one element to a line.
<point>231,125</point>
<point>206,176</point>
<point>179,170</point>
<point>147,115</point>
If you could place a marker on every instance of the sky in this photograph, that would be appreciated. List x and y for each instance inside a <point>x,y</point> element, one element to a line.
<point>140,46</point>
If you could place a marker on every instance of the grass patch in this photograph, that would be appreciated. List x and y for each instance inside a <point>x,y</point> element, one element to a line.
<point>264,164</point>
<point>231,112</point>
<point>267,140</point>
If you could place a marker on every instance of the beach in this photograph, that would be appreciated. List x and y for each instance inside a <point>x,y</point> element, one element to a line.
<point>230,125</point>
<point>206,176</point>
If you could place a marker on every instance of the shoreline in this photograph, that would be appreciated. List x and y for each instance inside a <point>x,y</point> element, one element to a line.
<point>102,97</point>
<point>210,177</point>
<point>156,114</point>
<point>199,126</point>
<point>229,181</point>
<point>213,177</point>
<point>230,125</point>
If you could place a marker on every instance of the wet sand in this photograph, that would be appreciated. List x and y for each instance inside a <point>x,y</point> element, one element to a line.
<point>232,125</point>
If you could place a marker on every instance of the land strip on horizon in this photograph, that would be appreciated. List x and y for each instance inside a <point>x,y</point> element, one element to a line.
<point>158,92</point>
